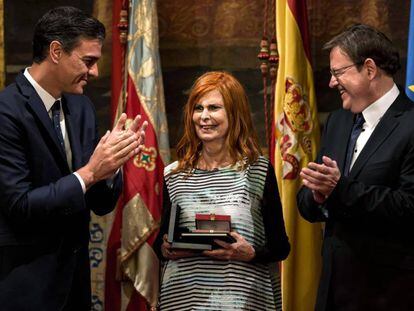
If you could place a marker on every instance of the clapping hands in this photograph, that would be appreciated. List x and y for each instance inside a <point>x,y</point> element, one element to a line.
<point>114,149</point>
<point>321,178</point>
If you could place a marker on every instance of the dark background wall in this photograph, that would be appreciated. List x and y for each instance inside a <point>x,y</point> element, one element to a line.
<point>201,35</point>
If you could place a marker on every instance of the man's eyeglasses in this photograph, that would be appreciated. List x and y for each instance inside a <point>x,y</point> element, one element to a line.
<point>340,71</point>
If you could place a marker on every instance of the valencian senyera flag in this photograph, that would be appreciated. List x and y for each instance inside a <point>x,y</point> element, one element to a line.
<point>296,134</point>
<point>409,85</point>
<point>132,274</point>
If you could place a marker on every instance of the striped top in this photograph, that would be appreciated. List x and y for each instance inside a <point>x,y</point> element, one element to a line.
<point>203,283</point>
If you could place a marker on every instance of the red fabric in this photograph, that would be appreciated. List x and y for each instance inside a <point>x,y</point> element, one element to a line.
<point>117,52</point>
<point>212,217</point>
<point>140,180</point>
<point>136,303</point>
<point>112,286</point>
<point>136,180</point>
<point>298,9</point>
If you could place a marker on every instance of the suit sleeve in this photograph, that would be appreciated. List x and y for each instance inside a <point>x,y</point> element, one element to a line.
<point>277,245</point>
<point>102,197</point>
<point>27,198</point>
<point>20,200</point>
<point>383,190</point>
<point>394,203</point>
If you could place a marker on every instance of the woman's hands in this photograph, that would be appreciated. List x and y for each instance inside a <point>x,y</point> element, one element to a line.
<point>175,254</point>
<point>240,250</point>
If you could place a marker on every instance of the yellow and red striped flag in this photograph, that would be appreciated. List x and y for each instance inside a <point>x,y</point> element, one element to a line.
<point>296,139</point>
<point>132,265</point>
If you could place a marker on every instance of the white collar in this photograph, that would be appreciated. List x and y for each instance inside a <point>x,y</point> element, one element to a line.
<point>374,112</point>
<point>47,99</point>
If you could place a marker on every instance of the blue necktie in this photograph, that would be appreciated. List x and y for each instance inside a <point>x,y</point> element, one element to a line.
<point>356,130</point>
<point>56,124</point>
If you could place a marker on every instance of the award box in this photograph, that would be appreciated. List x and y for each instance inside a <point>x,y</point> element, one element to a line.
<point>208,228</point>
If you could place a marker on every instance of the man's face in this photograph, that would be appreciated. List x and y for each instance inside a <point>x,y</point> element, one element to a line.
<point>353,85</point>
<point>77,66</point>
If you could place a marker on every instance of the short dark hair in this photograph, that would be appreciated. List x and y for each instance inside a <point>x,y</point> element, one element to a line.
<point>67,25</point>
<point>360,42</point>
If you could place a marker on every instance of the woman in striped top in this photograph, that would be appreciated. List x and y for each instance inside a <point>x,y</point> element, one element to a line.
<point>220,170</point>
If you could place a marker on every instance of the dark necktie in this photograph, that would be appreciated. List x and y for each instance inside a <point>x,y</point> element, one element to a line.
<point>356,130</point>
<point>56,124</point>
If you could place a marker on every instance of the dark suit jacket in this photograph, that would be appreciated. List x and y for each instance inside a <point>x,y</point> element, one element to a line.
<point>368,249</point>
<point>44,215</point>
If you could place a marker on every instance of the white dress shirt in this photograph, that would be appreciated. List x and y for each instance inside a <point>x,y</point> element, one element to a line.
<point>48,100</point>
<point>372,115</point>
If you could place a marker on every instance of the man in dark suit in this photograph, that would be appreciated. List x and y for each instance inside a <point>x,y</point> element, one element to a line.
<point>53,170</point>
<point>362,184</point>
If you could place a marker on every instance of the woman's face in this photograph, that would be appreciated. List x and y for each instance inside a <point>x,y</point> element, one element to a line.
<point>210,118</point>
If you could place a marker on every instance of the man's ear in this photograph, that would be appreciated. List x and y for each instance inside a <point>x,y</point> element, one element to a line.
<point>372,68</point>
<point>55,51</point>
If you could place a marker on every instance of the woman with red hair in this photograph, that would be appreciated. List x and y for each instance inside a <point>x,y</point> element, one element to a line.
<point>220,171</point>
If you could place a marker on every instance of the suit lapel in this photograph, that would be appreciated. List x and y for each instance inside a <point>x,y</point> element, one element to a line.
<point>342,144</point>
<point>383,129</point>
<point>38,108</point>
<point>72,127</point>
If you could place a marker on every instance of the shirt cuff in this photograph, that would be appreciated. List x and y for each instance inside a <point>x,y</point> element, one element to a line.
<point>110,180</point>
<point>81,182</point>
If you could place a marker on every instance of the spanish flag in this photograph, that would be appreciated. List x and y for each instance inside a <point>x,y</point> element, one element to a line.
<point>132,270</point>
<point>409,86</point>
<point>296,139</point>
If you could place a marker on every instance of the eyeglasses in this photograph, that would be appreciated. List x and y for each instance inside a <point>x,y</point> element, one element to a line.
<point>340,71</point>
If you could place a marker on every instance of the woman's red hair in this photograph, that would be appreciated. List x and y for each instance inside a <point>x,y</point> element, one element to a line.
<point>241,138</point>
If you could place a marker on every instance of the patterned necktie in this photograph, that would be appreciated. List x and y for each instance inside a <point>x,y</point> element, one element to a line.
<point>56,124</point>
<point>356,130</point>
